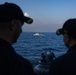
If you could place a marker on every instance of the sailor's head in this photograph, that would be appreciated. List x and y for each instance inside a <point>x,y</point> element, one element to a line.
<point>12,20</point>
<point>69,32</point>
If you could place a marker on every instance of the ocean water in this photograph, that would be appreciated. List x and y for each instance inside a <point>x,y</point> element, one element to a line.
<point>31,47</point>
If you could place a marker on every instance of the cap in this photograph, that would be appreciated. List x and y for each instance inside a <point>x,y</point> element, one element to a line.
<point>69,27</point>
<point>9,11</point>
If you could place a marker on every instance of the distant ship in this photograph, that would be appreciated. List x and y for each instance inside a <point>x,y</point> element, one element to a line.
<point>38,34</point>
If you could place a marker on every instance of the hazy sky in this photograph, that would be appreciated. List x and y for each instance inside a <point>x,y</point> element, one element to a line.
<point>48,15</point>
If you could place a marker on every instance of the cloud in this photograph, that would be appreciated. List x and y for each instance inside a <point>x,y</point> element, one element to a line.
<point>26,14</point>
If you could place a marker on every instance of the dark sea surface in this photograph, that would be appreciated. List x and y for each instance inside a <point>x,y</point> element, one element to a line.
<point>31,47</point>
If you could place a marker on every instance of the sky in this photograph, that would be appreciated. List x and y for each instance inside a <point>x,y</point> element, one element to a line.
<point>48,15</point>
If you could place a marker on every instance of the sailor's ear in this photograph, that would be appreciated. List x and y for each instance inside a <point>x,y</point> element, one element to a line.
<point>68,38</point>
<point>13,24</point>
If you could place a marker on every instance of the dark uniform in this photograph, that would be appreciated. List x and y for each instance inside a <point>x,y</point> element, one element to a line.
<point>66,64</point>
<point>11,63</point>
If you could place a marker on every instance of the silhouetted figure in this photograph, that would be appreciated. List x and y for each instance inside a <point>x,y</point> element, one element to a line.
<point>11,22</point>
<point>66,64</point>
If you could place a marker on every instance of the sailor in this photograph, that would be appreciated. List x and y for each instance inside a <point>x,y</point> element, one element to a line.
<point>11,22</point>
<point>66,64</point>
